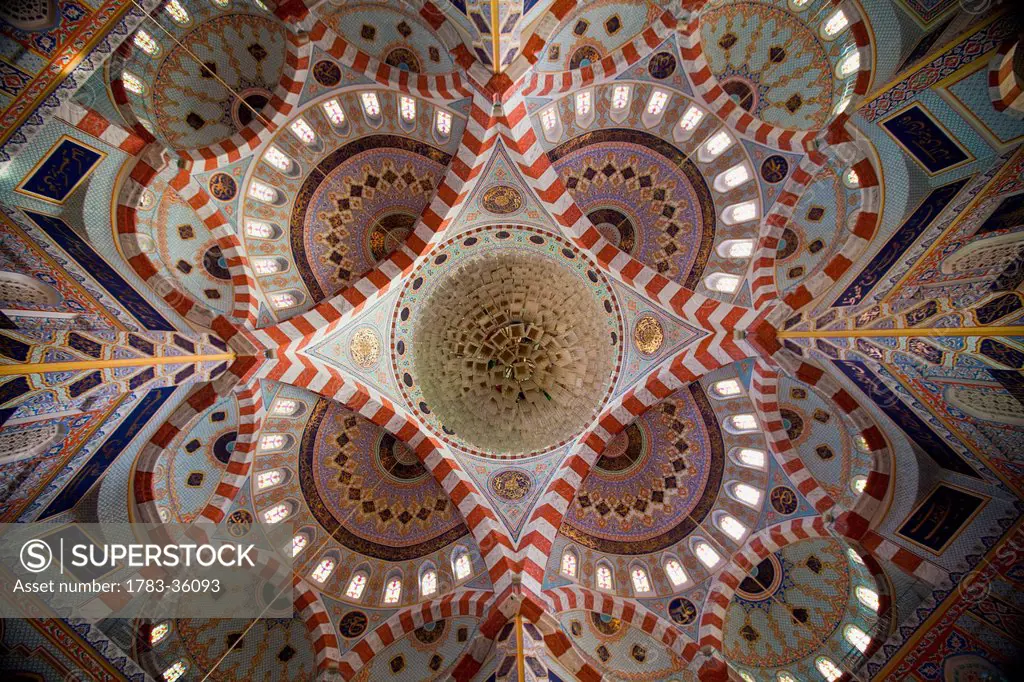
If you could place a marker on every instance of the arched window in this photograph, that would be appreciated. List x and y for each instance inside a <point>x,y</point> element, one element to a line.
<point>463,566</point>
<point>740,423</point>
<point>299,542</point>
<point>731,527</point>
<point>707,555</point>
<point>269,478</point>
<point>732,178</point>
<point>443,124</point>
<point>722,283</point>
<point>849,64</point>
<point>145,42</point>
<point>726,388</point>
<point>323,570</point>
<point>840,107</point>
<point>570,564</point>
<point>407,108</point>
<point>285,407</point>
<point>356,585</point>
<point>259,229</point>
<point>641,583</point>
<point>177,669</point>
<point>862,443</point>
<point>262,5</point>
<point>371,104</point>
<point>714,146</point>
<point>261,191</point>
<point>551,124</point>
<point>747,494</point>
<point>25,443</point>
<point>159,631</point>
<point>857,637</point>
<point>584,103</point>
<point>282,300</point>
<point>783,676</point>
<point>268,266</point>
<point>132,83</point>
<point>749,457</point>
<point>858,483</point>
<point>18,289</point>
<point>674,571</point>
<point>867,597</point>
<point>178,13</point>
<point>736,248</point>
<point>828,669</point>
<point>428,583</point>
<point>277,158</point>
<point>691,118</point>
<point>275,441</point>
<point>739,213</point>
<point>302,130</point>
<point>604,577</point>
<point>834,25</point>
<point>223,4</point>
<point>854,557</point>
<point>335,114</point>
<point>277,513</point>
<point>620,97</point>
<point>747,677</point>
<point>393,591</point>
<point>851,179</point>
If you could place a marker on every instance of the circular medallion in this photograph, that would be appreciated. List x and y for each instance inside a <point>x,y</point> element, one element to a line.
<point>387,234</point>
<point>662,65</point>
<point>793,423</point>
<point>616,227</point>
<point>403,59</point>
<point>648,335</point>
<point>397,460</point>
<point>326,73</point>
<point>762,581</point>
<point>502,200</point>
<point>511,484</point>
<point>626,450</point>
<point>239,523</point>
<point>774,169</point>
<point>682,610</point>
<point>224,446</point>
<point>605,625</point>
<point>788,245</point>
<point>741,91</point>
<point>364,348</point>
<point>783,499</point>
<point>250,103</point>
<point>431,632</point>
<point>352,624</point>
<point>585,56</point>
<point>223,187</point>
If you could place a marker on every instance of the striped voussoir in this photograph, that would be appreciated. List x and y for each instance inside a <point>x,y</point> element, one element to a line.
<point>492,539</point>
<point>849,148</point>
<point>519,135</point>
<point>458,603</point>
<point>616,63</point>
<point>292,335</point>
<point>93,123</point>
<point>558,644</point>
<point>855,522</point>
<point>532,48</point>
<point>628,611</point>
<point>764,390</point>
<point>149,165</point>
<point>271,117</point>
<point>319,625</point>
<point>673,374</point>
<point>904,559</point>
<point>499,611</point>
<point>757,548</point>
<point>1006,86</point>
<point>762,278</point>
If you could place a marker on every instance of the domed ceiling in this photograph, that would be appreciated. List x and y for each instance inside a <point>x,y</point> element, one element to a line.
<point>563,340</point>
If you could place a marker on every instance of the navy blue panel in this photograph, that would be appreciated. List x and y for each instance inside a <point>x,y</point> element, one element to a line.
<point>528,5</point>
<point>1009,214</point>
<point>57,176</point>
<point>105,455</point>
<point>897,245</point>
<point>925,139</point>
<point>105,275</point>
<point>905,417</point>
<point>461,4</point>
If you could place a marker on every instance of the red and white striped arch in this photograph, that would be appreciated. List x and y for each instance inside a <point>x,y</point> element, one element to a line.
<point>1005,85</point>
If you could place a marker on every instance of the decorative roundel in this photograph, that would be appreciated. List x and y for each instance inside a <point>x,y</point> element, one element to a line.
<point>404,59</point>
<point>364,348</point>
<point>352,624</point>
<point>793,422</point>
<point>604,624</point>
<point>216,264</point>
<point>510,484</point>
<point>662,65</point>
<point>648,335</point>
<point>502,200</point>
<point>223,187</point>
<point>327,73</point>
<point>239,523</point>
<point>397,460</point>
<point>788,245</point>
<point>774,169</point>
<point>224,446</point>
<point>585,56</point>
<point>783,499</point>
<point>682,611</point>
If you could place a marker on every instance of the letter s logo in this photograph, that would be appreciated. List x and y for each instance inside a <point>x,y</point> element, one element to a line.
<point>36,556</point>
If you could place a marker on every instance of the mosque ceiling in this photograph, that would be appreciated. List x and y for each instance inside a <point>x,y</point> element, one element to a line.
<point>610,340</point>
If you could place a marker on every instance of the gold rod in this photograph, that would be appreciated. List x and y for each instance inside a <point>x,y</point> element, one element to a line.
<point>520,656</point>
<point>918,331</point>
<point>495,41</point>
<point>40,367</point>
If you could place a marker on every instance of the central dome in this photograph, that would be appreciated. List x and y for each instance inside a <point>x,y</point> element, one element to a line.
<point>516,342</point>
